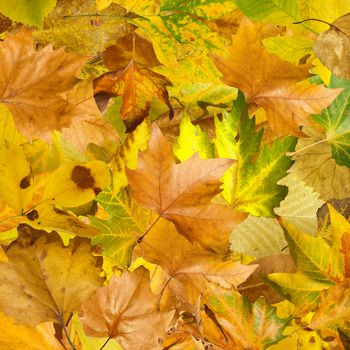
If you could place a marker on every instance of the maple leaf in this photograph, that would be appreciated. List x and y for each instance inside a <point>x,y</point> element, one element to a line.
<point>231,321</point>
<point>118,234</point>
<point>122,309</point>
<point>189,268</point>
<point>269,82</point>
<point>32,83</point>
<point>49,280</point>
<point>182,192</point>
<point>137,86</point>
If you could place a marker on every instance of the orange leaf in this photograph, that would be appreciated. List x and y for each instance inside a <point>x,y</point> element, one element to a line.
<point>182,192</point>
<point>270,82</point>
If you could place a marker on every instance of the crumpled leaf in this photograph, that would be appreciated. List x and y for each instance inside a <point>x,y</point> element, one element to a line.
<point>232,322</point>
<point>125,311</point>
<point>189,269</point>
<point>182,192</point>
<point>269,82</point>
<point>48,280</point>
<point>32,83</point>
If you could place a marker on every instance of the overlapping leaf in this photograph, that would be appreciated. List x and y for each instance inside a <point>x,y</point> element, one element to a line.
<point>182,192</point>
<point>270,82</point>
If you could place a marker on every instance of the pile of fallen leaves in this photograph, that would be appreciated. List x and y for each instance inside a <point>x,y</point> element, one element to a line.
<point>174,175</point>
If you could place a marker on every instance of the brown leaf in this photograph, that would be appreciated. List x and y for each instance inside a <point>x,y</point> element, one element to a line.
<point>88,124</point>
<point>32,82</point>
<point>270,82</point>
<point>332,47</point>
<point>182,192</point>
<point>189,268</point>
<point>48,281</point>
<point>125,311</point>
<point>130,47</point>
<point>255,287</point>
<point>137,86</point>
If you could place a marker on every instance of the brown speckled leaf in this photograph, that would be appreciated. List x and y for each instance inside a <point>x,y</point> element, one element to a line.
<point>182,192</point>
<point>46,280</point>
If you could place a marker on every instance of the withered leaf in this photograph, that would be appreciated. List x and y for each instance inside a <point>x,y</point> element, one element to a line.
<point>125,310</point>
<point>48,281</point>
<point>31,84</point>
<point>182,192</point>
<point>270,82</point>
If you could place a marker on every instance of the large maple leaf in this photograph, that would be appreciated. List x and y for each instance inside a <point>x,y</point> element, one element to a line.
<point>182,192</point>
<point>32,82</point>
<point>270,82</point>
<point>189,269</point>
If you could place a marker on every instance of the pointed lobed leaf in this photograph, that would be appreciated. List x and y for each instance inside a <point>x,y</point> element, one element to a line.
<point>192,140</point>
<point>182,192</point>
<point>335,121</point>
<point>49,280</point>
<point>269,82</point>
<point>189,268</point>
<point>312,255</point>
<point>32,83</point>
<point>123,308</point>
<point>126,222</point>
<point>255,188</point>
<point>242,325</point>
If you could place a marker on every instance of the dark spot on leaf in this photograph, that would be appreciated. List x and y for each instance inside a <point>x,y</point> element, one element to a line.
<point>59,211</point>
<point>32,215</point>
<point>81,176</point>
<point>63,289</point>
<point>43,254</point>
<point>328,339</point>
<point>25,182</point>
<point>97,190</point>
<point>312,340</point>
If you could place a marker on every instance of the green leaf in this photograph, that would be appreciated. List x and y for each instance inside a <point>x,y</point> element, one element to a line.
<point>251,326</point>
<point>119,233</point>
<point>291,49</point>
<point>312,255</point>
<point>300,289</point>
<point>255,188</point>
<point>114,117</point>
<point>335,120</point>
<point>191,140</point>
<point>271,11</point>
<point>184,20</point>
<point>27,11</point>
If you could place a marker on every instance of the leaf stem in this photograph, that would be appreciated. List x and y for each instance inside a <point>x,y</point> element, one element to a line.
<point>322,21</point>
<point>105,343</point>
<point>140,239</point>
<point>66,333</point>
<point>291,154</point>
